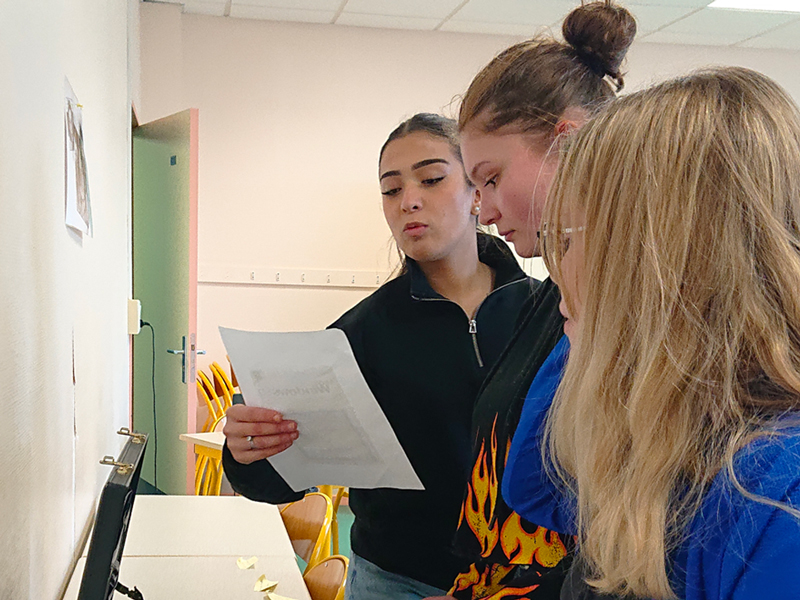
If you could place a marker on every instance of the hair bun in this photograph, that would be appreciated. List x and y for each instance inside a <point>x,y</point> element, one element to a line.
<point>601,33</point>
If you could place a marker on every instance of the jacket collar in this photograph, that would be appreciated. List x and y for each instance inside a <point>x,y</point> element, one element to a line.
<point>492,251</point>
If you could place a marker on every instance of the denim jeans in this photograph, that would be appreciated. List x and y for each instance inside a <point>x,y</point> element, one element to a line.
<point>366,581</point>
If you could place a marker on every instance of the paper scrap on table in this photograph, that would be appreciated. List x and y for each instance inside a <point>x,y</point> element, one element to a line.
<point>312,378</point>
<point>246,563</point>
<point>265,585</point>
<point>274,596</point>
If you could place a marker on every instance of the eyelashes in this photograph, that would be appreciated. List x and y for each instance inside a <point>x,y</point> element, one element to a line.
<point>428,182</point>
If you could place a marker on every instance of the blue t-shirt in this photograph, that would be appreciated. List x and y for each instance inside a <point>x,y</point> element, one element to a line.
<point>526,486</point>
<point>736,548</point>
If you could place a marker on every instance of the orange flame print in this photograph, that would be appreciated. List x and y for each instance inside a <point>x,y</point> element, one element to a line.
<point>542,547</point>
<point>488,585</point>
<point>482,498</point>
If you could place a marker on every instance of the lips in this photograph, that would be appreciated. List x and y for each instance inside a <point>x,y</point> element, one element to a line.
<point>414,228</point>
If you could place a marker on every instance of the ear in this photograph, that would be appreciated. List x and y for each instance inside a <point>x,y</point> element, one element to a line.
<point>566,127</point>
<point>475,208</point>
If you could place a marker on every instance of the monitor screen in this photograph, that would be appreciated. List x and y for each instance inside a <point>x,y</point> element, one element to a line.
<point>101,573</point>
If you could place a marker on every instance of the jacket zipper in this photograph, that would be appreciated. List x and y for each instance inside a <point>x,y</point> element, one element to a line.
<point>473,323</point>
<point>473,329</point>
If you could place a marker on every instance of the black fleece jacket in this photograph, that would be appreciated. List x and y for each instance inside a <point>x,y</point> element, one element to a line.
<point>424,360</point>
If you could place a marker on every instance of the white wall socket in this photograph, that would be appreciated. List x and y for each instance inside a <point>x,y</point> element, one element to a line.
<point>134,316</point>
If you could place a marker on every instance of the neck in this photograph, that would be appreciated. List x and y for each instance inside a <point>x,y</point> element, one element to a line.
<point>460,276</point>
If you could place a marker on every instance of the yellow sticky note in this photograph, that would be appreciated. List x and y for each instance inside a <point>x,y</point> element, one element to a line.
<point>246,563</point>
<point>274,596</point>
<point>265,585</point>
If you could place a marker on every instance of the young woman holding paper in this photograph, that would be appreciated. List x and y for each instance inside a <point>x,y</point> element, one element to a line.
<point>424,342</point>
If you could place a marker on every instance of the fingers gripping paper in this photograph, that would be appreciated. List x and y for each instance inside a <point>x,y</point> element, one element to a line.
<point>313,378</point>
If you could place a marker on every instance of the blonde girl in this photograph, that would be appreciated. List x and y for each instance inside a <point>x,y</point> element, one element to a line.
<point>673,234</point>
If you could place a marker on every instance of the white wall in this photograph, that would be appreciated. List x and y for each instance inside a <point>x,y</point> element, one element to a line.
<point>62,300</point>
<point>291,120</point>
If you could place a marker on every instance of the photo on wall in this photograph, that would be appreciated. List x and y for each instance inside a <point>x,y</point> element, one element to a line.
<point>78,214</point>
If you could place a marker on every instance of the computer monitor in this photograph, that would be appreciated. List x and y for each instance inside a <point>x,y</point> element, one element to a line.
<point>101,574</point>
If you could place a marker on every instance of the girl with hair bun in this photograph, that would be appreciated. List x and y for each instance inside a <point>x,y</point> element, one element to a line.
<point>512,119</point>
<point>674,234</point>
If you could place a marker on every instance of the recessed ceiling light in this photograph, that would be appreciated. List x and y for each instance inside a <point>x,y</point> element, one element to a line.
<point>759,5</point>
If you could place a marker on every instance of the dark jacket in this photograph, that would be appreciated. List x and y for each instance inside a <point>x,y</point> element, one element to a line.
<point>507,552</point>
<point>424,361</point>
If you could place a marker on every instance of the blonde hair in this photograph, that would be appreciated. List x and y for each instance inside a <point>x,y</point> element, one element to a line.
<point>689,332</point>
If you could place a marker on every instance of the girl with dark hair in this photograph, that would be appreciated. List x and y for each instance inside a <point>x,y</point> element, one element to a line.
<point>424,342</point>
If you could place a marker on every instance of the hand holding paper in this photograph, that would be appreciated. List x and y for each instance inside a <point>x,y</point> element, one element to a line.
<point>313,379</point>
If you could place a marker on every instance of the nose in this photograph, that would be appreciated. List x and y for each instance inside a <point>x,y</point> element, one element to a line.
<point>411,201</point>
<point>489,213</point>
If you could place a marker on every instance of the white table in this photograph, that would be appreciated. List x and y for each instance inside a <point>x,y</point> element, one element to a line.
<point>209,443</point>
<point>177,550</point>
<point>205,526</point>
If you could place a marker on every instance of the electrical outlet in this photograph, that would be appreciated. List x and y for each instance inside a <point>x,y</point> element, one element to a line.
<point>134,317</point>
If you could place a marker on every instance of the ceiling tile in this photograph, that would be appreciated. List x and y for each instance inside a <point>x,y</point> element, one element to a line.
<point>437,9</point>
<point>515,11</point>
<point>692,39</point>
<point>786,37</point>
<point>732,24</point>
<point>515,29</point>
<point>204,7</point>
<point>245,11</point>
<point>387,21</point>
<point>651,17</point>
<point>674,3</point>
<point>331,5</point>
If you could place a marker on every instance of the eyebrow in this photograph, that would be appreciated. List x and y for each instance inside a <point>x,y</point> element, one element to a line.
<point>474,172</point>
<point>415,166</point>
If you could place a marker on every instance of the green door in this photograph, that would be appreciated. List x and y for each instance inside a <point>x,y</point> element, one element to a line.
<point>165,281</point>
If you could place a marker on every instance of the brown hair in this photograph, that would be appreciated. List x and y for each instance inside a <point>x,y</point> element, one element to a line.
<point>532,83</point>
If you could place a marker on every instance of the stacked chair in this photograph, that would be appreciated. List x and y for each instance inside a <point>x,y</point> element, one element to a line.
<point>217,394</point>
<point>326,579</point>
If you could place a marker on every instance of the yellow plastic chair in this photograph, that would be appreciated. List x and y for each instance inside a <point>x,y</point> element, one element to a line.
<point>234,382</point>
<point>308,523</point>
<point>326,579</point>
<point>208,471</point>
<point>219,404</point>
<point>336,494</point>
<point>222,385</point>
<point>202,394</point>
<point>227,381</point>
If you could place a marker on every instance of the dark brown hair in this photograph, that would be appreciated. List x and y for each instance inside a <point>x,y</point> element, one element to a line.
<point>432,124</point>
<point>532,83</point>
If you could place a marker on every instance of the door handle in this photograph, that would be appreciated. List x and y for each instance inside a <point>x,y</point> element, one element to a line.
<point>182,354</point>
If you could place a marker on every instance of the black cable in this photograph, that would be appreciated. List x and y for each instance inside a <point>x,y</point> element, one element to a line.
<point>155,428</point>
<point>134,593</point>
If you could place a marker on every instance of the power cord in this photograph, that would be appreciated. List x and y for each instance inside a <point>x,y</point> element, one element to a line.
<point>155,427</point>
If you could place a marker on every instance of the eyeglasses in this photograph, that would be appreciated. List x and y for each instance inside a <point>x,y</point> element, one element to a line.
<point>561,237</point>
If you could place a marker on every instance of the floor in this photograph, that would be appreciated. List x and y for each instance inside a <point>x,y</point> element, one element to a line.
<point>345,523</point>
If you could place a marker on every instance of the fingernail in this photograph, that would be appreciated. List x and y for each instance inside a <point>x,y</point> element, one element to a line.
<point>292,426</point>
<point>277,418</point>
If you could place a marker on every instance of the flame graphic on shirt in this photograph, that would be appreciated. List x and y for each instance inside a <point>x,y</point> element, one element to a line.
<point>538,548</point>
<point>488,585</point>
<point>482,497</point>
<point>543,547</point>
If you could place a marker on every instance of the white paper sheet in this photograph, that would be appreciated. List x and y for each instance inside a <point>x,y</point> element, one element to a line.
<point>313,378</point>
